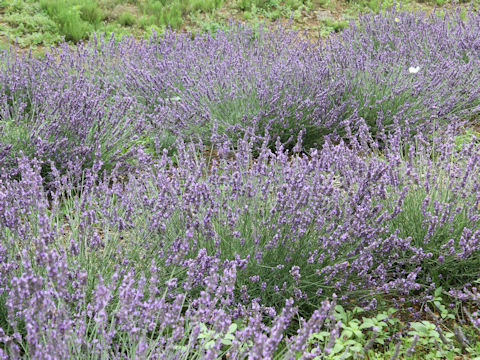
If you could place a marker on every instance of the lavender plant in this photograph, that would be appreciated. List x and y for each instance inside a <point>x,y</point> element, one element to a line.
<point>403,74</point>
<point>176,230</point>
<point>142,247</point>
<point>126,95</point>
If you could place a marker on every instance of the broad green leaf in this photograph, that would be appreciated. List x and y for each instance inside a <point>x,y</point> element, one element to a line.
<point>381,317</point>
<point>209,344</point>
<point>229,337</point>
<point>226,341</point>
<point>232,328</point>
<point>338,347</point>
<point>367,323</point>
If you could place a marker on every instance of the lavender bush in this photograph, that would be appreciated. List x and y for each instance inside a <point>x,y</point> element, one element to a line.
<point>112,98</point>
<point>213,244</point>
<point>164,199</point>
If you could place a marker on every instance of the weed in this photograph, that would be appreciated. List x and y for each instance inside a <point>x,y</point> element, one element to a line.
<point>69,19</point>
<point>126,19</point>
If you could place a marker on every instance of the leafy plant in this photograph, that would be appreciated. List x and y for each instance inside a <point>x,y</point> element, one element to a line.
<point>68,17</point>
<point>126,19</point>
<point>90,12</point>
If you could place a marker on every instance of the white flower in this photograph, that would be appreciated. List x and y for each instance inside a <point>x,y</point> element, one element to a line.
<point>413,70</point>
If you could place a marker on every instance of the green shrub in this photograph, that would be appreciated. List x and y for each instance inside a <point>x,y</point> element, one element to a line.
<point>68,17</point>
<point>205,5</point>
<point>27,25</point>
<point>145,21</point>
<point>164,15</point>
<point>126,19</point>
<point>91,13</point>
<point>332,25</point>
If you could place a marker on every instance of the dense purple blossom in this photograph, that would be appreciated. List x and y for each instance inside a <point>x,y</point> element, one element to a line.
<point>217,216</point>
<point>104,99</point>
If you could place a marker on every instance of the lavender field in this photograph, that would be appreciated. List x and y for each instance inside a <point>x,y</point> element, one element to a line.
<point>245,195</point>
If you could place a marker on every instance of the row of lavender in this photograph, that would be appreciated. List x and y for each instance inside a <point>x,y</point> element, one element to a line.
<point>113,98</point>
<point>111,247</point>
<point>137,267</point>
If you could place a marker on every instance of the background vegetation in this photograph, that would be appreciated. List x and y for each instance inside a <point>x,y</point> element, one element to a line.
<point>39,23</point>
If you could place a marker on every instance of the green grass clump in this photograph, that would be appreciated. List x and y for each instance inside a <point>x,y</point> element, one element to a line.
<point>329,25</point>
<point>173,13</point>
<point>126,19</point>
<point>91,12</point>
<point>68,17</point>
<point>272,9</point>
